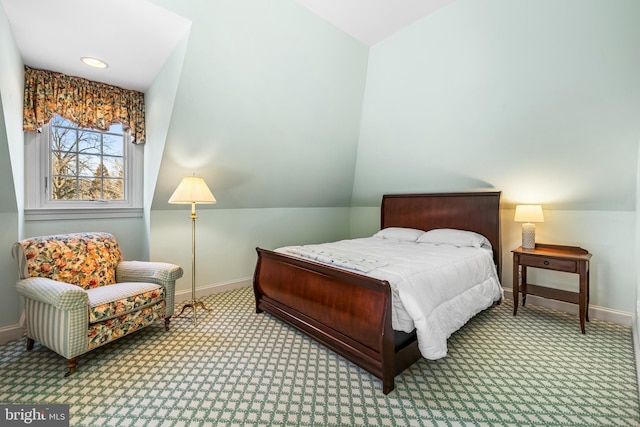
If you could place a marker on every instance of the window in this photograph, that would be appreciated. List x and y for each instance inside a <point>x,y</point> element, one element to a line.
<point>85,164</point>
<point>75,172</point>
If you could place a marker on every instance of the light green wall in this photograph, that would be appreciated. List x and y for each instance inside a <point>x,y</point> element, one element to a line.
<point>268,106</point>
<point>636,312</point>
<point>11,96</point>
<point>10,302</point>
<point>267,110</point>
<point>539,100</point>
<point>226,238</point>
<point>159,101</point>
<point>11,178</point>
<point>608,235</point>
<point>7,184</point>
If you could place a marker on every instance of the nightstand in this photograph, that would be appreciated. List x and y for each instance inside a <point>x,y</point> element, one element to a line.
<point>570,259</point>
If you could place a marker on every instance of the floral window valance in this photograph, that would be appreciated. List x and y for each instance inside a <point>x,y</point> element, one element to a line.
<point>86,103</point>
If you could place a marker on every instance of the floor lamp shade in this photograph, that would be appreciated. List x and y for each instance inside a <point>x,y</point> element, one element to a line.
<point>192,190</point>
<point>528,214</point>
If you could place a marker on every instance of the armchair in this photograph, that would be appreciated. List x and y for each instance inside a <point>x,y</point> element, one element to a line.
<point>80,295</point>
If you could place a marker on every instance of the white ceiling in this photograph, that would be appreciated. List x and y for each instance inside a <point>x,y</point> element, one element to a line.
<point>135,37</point>
<point>371,21</point>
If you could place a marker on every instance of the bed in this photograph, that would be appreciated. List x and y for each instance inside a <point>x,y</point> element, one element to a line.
<point>350,312</point>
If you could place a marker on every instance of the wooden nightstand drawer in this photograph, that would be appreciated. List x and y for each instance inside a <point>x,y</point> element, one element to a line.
<point>549,263</point>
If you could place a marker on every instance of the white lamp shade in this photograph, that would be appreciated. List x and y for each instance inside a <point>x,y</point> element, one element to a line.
<point>529,213</point>
<point>192,189</point>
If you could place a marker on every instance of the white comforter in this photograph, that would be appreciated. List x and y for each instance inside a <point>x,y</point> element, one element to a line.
<point>436,289</point>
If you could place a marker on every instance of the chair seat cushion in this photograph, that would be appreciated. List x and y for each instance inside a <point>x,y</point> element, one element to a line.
<point>100,333</point>
<point>106,302</point>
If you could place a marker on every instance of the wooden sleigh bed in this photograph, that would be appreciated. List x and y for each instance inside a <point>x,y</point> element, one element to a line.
<point>350,313</point>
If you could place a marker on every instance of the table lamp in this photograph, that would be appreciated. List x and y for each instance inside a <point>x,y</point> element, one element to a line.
<point>528,215</point>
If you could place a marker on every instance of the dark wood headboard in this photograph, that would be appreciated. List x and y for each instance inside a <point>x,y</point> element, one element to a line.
<point>472,211</point>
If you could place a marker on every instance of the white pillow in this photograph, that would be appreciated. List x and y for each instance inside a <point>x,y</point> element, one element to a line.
<point>399,234</point>
<point>450,236</point>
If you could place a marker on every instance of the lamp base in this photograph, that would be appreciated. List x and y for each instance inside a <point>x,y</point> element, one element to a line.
<point>193,304</point>
<point>528,235</point>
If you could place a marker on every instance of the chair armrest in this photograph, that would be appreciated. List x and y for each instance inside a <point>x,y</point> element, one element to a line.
<point>59,294</point>
<point>161,273</point>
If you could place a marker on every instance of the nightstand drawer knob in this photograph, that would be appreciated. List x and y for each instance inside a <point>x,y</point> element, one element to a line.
<point>546,262</point>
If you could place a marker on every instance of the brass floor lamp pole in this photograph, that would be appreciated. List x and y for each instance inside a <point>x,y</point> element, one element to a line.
<point>192,190</point>
<point>194,303</point>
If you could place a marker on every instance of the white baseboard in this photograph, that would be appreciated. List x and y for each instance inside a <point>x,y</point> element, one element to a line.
<point>204,291</point>
<point>636,349</point>
<point>595,312</point>
<point>11,333</point>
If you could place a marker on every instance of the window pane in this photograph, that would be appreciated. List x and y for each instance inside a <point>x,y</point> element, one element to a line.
<point>88,142</point>
<point>116,128</point>
<point>89,165</point>
<point>63,188</point>
<point>113,167</point>
<point>112,145</point>
<point>63,163</point>
<point>63,139</point>
<point>113,189</point>
<point>90,189</point>
<point>61,121</point>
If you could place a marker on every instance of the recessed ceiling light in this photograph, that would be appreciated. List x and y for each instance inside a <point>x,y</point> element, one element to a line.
<point>94,62</point>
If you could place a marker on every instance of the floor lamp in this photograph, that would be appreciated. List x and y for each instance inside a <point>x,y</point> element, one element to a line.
<point>192,190</point>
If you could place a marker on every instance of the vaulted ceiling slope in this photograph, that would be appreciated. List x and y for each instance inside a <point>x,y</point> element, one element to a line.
<point>267,108</point>
<point>276,107</point>
<point>540,100</point>
<point>11,140</point>
<point>6,178</point>
<point>273,106</point>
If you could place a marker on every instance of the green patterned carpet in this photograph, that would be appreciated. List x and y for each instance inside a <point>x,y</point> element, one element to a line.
<point>240,368</point>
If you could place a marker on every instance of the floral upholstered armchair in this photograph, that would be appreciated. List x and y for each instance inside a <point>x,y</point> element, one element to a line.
<point>79,294</point>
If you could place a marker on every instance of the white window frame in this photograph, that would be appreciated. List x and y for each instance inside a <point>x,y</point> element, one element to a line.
<point>38,206</point>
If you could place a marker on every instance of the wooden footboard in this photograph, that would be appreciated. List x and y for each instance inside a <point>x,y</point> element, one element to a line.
<point>346,312</point>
